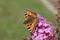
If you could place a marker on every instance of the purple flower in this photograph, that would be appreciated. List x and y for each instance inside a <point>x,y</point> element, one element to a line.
<point>43,30</point>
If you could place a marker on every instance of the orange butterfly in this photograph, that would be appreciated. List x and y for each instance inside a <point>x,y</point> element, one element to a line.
<point>30,20</point>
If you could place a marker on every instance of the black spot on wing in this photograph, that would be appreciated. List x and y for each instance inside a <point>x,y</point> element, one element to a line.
<point>28,27</point>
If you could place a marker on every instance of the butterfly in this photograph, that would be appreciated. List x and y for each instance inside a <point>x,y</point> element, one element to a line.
<point>30,20</point>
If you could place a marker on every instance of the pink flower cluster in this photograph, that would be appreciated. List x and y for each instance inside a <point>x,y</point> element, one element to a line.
<point>43,30</point>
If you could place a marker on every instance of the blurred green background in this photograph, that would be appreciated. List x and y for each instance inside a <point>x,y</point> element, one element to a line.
<point>12,17</point>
